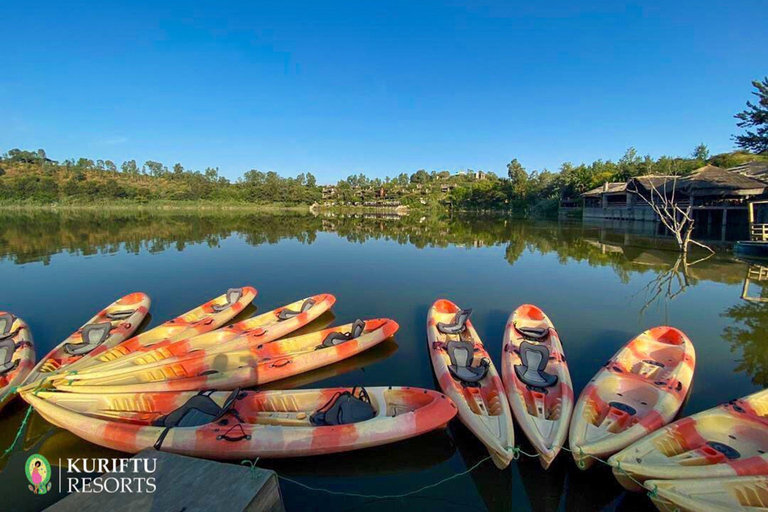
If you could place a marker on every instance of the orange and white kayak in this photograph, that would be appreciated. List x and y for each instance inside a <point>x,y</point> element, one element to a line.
<point>467,375</point>
<point>737,494</point>
<point>537,380</point>
<point>248,424</point>
<point>260,329</point>
<point>725,441</point>
<point>637,392</point>
<point>259,363</point>
<point>109,327</point>
<point>17,355</point>
<point>204,318</point>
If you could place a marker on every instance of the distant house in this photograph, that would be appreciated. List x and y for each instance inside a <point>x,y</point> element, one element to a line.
<point>718,197</point>
<point>329,191</point>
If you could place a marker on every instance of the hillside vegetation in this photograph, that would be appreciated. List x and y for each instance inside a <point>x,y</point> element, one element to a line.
<point>29,177</point>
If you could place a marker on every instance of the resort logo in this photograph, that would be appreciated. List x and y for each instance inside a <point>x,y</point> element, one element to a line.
<point>118,476</point>
<point>38,472</point>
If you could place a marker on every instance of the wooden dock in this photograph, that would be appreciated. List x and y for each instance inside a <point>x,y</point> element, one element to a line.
<point>185,484</point>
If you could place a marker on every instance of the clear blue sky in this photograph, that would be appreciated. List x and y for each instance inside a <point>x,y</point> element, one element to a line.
<point>335,88</point>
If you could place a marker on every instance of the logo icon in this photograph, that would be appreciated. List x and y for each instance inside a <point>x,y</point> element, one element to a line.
<point>38,472</point>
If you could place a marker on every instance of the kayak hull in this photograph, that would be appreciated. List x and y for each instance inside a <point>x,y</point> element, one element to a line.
<point>543,414</point>
<point>745,493</point>
<point>639,390</point>
<point>255,365</point>
<point>725,441</point>
<point>23,358</point>
<point>125,315</point>
<point>256,330</point>
<point>200,320</point>
<point>272,424</point>
<point>483,409</point>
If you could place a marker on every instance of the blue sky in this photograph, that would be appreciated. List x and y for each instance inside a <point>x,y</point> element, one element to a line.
<point>336,88</point>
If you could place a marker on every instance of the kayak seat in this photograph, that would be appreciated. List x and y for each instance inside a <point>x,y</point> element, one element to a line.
<point>233,295</point>
<point>6,322</point>
<point>285,314</point>
<point>121,315</point>
<point>534,358</point>
<point>337,338</point>
<point>458,325</point>
<point>93,335</point>
<point>343,409</point>
<point>7,349</point>
<point>197,411</point>
<point>535,333</point>
<point>729,452</point>
<point>619,406</point>
<point>462,354</point>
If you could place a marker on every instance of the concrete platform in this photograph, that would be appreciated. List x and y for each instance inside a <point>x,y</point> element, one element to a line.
<point>184,484</point>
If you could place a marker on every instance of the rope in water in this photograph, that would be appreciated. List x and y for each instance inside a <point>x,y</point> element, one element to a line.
<point>517,452</point>
<point>18,433</point>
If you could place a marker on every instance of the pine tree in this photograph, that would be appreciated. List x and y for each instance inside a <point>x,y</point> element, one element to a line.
<point>755,116</point>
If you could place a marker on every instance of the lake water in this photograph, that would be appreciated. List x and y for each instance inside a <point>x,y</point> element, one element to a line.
<point>601,285</point>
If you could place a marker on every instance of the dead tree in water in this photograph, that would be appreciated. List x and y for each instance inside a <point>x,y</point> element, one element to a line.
<point>676,217</point>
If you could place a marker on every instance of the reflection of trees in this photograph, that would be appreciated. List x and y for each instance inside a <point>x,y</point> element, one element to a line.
<point>749,333</point>
<point>36,236</point>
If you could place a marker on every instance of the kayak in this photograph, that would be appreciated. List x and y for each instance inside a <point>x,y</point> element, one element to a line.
<point>17,355</point>
<point>262,328</point>
<point>725,441</point>
<point>248,424</point>
<point>110,326</point>
<point>741,493</point>
<point>467,375</point>
<point>537,380</point>
<point>204,318</point>
<point>638,391</point>
<point>256,364</point>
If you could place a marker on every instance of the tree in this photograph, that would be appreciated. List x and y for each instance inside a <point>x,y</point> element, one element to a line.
<point>701,152</point>
<point>110,166</point>
<point>518,178</point>
<point>755,116</point>
<point>178,169</point>
<point>677,218</point>
<point>420,176</point>
<point>156,169</point>
<point>130,167</point>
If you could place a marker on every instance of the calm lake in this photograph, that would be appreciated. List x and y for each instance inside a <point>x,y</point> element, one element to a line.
<point>601,285</point>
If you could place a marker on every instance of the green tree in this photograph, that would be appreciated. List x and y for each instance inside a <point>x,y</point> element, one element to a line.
<point>755,116</point>
<point>156,169</point>
<point>701,152</point>
<point>130,167</point>
<point>518,178</point>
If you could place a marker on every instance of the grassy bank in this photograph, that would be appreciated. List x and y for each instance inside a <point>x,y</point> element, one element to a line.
<point>125,205</point>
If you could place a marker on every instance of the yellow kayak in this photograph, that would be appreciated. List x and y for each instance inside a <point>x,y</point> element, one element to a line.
<point>638,391</point>
<point>17,355</point>
<point>537,380</point>
<point>467,375</point>
<point>109,327</point>
<point>726,441</point>
<point>204,318</point>
<point>743,493</point>
<point>259,329</point>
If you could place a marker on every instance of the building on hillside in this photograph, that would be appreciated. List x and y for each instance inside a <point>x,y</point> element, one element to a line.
<point>329,191</point>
